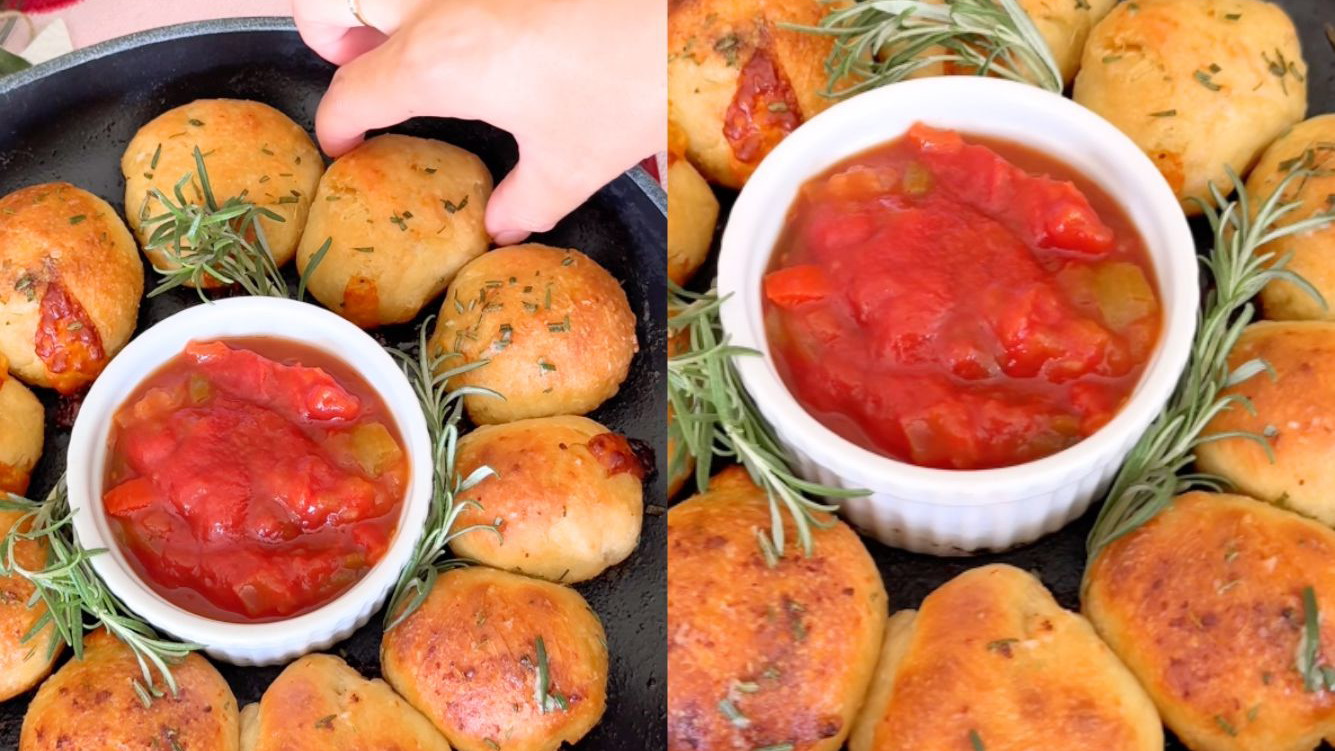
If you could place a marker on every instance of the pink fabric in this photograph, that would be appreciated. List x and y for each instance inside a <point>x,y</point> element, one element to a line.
<point>93,21</point>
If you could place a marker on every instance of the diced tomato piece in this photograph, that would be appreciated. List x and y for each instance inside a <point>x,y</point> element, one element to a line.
<point>926,138</point>
<point>859,184</point>
<point>308,393</point>
<point>129,496</point>
<point>1048,213</point>
<point>796,285</point>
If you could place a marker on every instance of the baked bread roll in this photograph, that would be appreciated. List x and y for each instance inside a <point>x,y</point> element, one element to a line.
<point>1294,410</point>
<point>568,494</point>
<point>990,655</point>
<point>1199,85</point>
<point>554,326</point>
<point>485,645</point>
<point>70,283</point>
<point>1312,254</point>
<point>250,150</point>
<point>91,704</point>
<point>762,655</point>
<point>21,434</point>
<point>692,212</point>
<point>23,664</point>
<point>1204,603</point>
<point>402,216</point>
<point>738,82</point>
<point>318,702</point>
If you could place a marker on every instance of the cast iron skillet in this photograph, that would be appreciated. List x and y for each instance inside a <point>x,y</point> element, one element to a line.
<point>1059,559</point>
<point>71,119</point>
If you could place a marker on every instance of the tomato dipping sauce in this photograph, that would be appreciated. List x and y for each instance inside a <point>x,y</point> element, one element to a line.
<point>959,303</point>
<point>254,479</point>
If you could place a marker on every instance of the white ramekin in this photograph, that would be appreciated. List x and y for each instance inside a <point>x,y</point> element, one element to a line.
<point>952,512</point>
<point>247,643</point>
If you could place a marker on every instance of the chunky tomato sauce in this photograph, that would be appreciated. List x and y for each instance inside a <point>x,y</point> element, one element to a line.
<point>254,479</point>
<point>959,305</point>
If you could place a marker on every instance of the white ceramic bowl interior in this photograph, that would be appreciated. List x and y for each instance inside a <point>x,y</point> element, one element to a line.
<point>951,512</point>
<point>247,643</point>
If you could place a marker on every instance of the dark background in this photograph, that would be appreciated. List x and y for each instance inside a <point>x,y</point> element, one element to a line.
<point>72,122</point>
<point>1059,559</point>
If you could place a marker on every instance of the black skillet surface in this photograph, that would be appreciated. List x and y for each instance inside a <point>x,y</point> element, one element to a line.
<point>70,120</point>
<point>1059,558</point>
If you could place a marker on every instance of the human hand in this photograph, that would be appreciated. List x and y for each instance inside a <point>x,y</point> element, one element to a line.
<point>580,84</point>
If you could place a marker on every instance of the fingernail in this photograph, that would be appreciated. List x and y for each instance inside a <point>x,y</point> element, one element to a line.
<point>510,237</point>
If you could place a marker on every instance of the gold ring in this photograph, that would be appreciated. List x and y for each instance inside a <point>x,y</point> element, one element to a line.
<point>355,7</point>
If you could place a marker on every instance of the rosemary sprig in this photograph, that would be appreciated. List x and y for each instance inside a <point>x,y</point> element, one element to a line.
<point>716,417</point>
<point>443,408</point>
<point>1153,472</point>
<point>76,599</point>
<point>879,42</point>
<point>210,241</point>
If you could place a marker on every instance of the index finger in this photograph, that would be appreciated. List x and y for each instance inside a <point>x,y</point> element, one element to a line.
<point>369,92</point>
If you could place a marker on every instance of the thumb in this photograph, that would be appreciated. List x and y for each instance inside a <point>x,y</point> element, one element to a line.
<point>533,198</point>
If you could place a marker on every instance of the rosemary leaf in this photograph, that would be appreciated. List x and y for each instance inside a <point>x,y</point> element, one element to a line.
<point>316,258</point>
<point>734,715</point>
<point>1309,646</point>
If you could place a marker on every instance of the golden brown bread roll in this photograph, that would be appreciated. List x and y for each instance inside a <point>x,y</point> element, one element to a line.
<point>738,83</point>
<point>318,702</point>
<point>1065,26</point>
<point>692,211</point>
<point>556,329</point>
<point>403,215</point>
<point>70,283</point>
<point>1312,143</point>
<point>21,433</point>
<point>1295,408</point>
<point>761,656</point>
<point>1196,84</point>
<point>249,148</point>
<point>22,664</point>
<point>91,704</point>
<point>1204,604</point>
<point>468,659</point>
<point>990,654</point>
<point>567,492</point>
